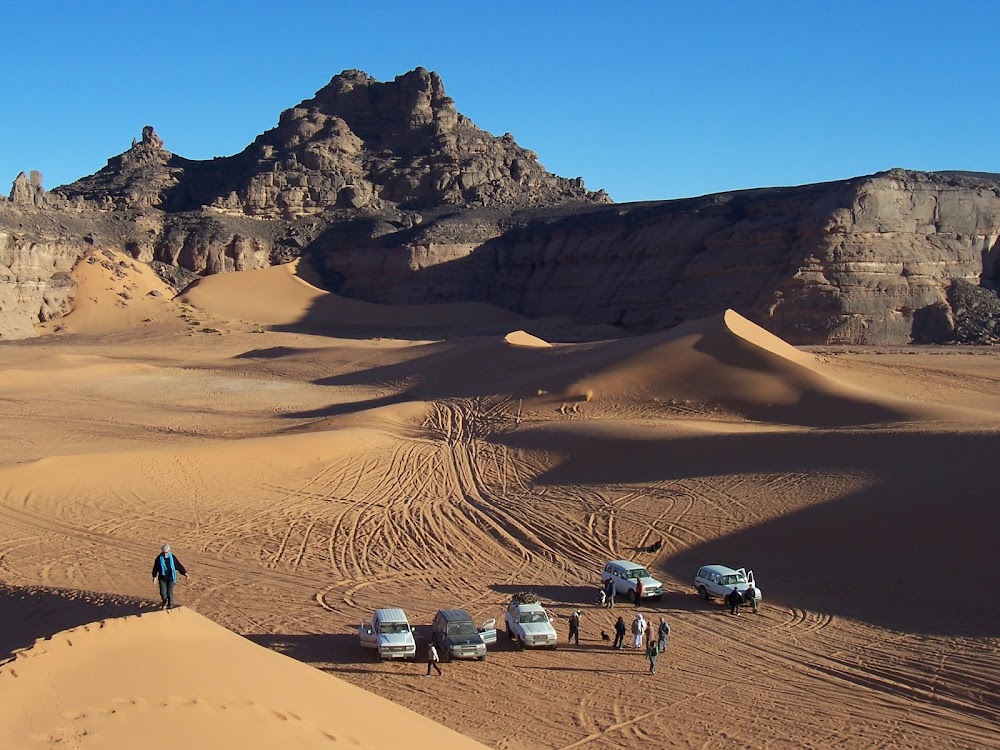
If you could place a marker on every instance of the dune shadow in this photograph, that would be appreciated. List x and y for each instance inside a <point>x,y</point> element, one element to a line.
<point>28,613</point>
<point>342,409</point>
<point>901,552</point>
<point>318,649</point>
<point>576,596</point>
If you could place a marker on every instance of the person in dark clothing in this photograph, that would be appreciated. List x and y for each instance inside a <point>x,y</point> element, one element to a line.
<point>574,627</point>
<point>750,597</point>
<point>662,633</point>
<point>638,592</point>
<point>734,598</point>
<point>620,629</point>
<point>165,568</point>
<point>609,590</point>
<point>652,651</point>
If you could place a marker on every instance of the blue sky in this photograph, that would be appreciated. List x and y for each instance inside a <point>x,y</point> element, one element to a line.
<point>649,100</point>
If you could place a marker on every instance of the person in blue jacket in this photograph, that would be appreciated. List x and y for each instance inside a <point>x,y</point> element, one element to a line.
<point>165,568</point>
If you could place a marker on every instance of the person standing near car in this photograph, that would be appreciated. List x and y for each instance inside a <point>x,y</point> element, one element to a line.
<point>433,659</point>
<point>574,628</point>
<point>619,634</point>
<point>165,568</point>
<point>609,590</point>
<point>751,596</point>
<point>733,599</point>
<point>638,592</point>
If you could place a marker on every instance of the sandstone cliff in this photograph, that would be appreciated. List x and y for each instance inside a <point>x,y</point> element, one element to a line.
<point>865,261</point>
<point>396,197</point>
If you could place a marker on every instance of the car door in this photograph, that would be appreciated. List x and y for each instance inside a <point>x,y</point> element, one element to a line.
<point>489,632</point>
<point>715,581</point>
<point>367,631</point>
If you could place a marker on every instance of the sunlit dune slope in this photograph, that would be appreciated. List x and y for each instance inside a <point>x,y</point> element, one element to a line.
<point>723,362</point>
<point>279,297</point>
<point>175,679</point>
<point>115,293</point>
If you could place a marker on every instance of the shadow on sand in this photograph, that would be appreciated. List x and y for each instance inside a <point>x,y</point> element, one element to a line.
<point>30,613</point>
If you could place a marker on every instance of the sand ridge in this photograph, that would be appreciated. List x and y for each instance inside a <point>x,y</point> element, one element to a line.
<point>181,680</point>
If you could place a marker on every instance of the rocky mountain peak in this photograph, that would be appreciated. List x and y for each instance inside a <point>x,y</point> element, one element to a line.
<point>357,144</point>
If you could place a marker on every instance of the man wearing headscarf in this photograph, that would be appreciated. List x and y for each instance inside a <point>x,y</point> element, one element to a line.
<point>165,569</point>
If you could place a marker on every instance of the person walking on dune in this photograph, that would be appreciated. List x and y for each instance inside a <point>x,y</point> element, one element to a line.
<point>433,659</point>
<point>619,634</point>
<point>165,568</point>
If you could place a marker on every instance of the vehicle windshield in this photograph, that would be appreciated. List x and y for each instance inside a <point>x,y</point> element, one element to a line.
<point>461,628</point>
<point>733,579</point>
<point>638,573</point>
<point>392,628</point>
<point>533,617</point>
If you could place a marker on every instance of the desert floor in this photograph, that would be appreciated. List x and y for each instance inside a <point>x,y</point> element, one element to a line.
<point>432,458</point>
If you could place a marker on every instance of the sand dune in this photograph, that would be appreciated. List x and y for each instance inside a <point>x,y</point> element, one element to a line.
<point>181,681</point>
<point>114,293</point>
<point>279,296</point>
<point>305,480</point>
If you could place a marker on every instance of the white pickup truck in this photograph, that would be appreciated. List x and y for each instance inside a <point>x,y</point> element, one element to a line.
<point>530,625</point>
<point>389,635</point>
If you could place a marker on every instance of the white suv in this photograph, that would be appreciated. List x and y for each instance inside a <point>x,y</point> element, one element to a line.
<point>718,581</point>
<point>530,625</point>
<point>625,574</point>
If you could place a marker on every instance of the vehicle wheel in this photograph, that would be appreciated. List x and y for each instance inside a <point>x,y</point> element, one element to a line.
<point>520,644</point>
<point>658,597</point>
<point>631,595</point>
<point>703,593</point>
<point>481,658</point>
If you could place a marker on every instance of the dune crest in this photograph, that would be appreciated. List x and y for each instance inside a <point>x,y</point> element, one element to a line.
<point>175,679</point>
<point>523,338</point>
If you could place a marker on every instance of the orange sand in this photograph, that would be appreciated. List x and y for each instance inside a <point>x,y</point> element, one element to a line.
<point>305,479</point>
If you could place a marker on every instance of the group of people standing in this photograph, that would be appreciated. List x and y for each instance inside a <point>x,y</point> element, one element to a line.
<point>643,630</point>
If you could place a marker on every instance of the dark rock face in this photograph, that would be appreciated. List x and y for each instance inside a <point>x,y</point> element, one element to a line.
<point>396,197</point>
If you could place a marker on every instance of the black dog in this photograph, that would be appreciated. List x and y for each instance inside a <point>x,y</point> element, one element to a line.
<point>605,636</point>
<point>655,546</point>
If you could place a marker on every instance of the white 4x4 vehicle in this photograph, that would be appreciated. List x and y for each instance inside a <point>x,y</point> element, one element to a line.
<point>718,581</point>
<point>625,574</point>
<point>389,635</point>
<point>530,625</point>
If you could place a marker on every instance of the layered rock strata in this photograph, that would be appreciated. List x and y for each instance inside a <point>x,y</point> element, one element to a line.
<point>863,261</point>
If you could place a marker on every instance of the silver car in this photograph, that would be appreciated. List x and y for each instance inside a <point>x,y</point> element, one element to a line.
<point>530,625</point>
<point>713,581</point>
<point>626,574</point>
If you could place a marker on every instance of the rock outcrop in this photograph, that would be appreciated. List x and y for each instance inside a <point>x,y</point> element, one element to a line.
<point>358,144</point>
<point>396,197</point>
<point>863,261</point>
